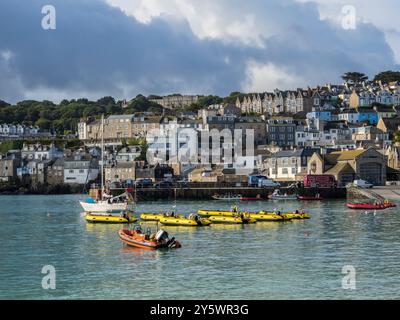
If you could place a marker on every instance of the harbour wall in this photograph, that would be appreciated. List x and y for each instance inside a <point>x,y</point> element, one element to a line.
<point>206,193</point>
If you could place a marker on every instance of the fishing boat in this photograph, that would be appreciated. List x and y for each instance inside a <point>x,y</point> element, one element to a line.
<point>317,197</point>
<point>136,238</point>
<point>371,206</point>
<point>227,197</point>
<point>276,195</point>
<point>192,221</point>
<point>110,217</point>
<point>104,201</point>
<point>108,204</point>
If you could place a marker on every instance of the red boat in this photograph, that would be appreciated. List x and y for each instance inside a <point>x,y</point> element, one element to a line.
<point>371,206</point>
<point>310,198</point>
<point>135,238</point>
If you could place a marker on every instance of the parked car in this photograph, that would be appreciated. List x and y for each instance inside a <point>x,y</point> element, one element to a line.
<point>268,183</point>
<point>164,185</point>
<point>362,184</point>
<point>144,183</point>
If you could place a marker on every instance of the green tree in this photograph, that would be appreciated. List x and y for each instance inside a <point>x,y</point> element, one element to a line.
<point>354,77</point>
<point>396,137</point>
<point>388,76</point>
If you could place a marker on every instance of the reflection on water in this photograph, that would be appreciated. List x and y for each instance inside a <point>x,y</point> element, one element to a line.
<point>299,259</point>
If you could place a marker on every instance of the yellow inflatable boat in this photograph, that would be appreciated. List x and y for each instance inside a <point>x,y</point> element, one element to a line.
<point>152,216</point>
<point>110,218</point>
<point>296,215</point>
<point>191,221</point>
<point>231,220</point>
<point>208,213</point>
<point>267,217</point>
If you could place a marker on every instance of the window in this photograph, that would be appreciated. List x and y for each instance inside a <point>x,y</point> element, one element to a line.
<point>81,171</point>
<point>71,171</point>
<point>284,171</point>
<point>293,170</point>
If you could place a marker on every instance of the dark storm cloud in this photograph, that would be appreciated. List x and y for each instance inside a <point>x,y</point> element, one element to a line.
<point>97,50</point>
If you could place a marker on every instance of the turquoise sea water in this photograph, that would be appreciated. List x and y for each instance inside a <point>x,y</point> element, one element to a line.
<point>293,260</point>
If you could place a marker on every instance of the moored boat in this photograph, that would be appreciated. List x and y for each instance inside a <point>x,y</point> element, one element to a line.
<point>239,219</point>
<point>136,238</point>
<point>157,216</point>
<point>91,205</point>
<point>151,216</point>
<point>267,217</point>
<point>276,195</point>
<point>110,217</point>
<point>371,206</point>
<point>208,213</point>
<point>192,221</point>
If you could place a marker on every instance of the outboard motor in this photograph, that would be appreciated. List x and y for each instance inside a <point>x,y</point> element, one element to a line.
<point>162,235</point>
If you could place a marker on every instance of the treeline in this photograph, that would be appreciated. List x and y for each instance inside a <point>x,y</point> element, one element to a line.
<point>63,118</point>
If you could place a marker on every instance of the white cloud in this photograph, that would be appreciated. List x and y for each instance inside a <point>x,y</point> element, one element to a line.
<point>227,20</point>
<point>267,77</point>
<point>6,55</point>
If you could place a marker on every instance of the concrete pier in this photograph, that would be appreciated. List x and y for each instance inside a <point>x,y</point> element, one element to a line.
<point>379,193</point>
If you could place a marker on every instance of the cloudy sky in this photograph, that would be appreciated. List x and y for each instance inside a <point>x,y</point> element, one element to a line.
<point>126,47</point>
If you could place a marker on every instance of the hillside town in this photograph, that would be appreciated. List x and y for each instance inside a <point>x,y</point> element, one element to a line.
<point>349,131</point>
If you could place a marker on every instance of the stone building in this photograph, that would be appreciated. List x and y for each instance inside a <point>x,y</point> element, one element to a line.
<point>366,164</point>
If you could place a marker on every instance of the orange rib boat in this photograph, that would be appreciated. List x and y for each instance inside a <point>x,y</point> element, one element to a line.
<point>136,238</point>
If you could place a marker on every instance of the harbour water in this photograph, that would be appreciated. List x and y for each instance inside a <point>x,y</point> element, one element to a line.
<point>292,260</point>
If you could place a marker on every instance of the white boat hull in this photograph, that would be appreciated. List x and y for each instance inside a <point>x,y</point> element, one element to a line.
<point>103,206</point>
<point>283,197</point>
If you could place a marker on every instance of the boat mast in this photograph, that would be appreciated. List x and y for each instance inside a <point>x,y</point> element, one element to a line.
<point>102,156</point>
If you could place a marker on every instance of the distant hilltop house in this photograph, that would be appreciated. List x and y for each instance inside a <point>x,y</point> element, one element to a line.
<point>176,101</point>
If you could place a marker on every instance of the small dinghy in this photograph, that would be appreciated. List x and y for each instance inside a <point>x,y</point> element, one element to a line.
<point>136,238</point>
